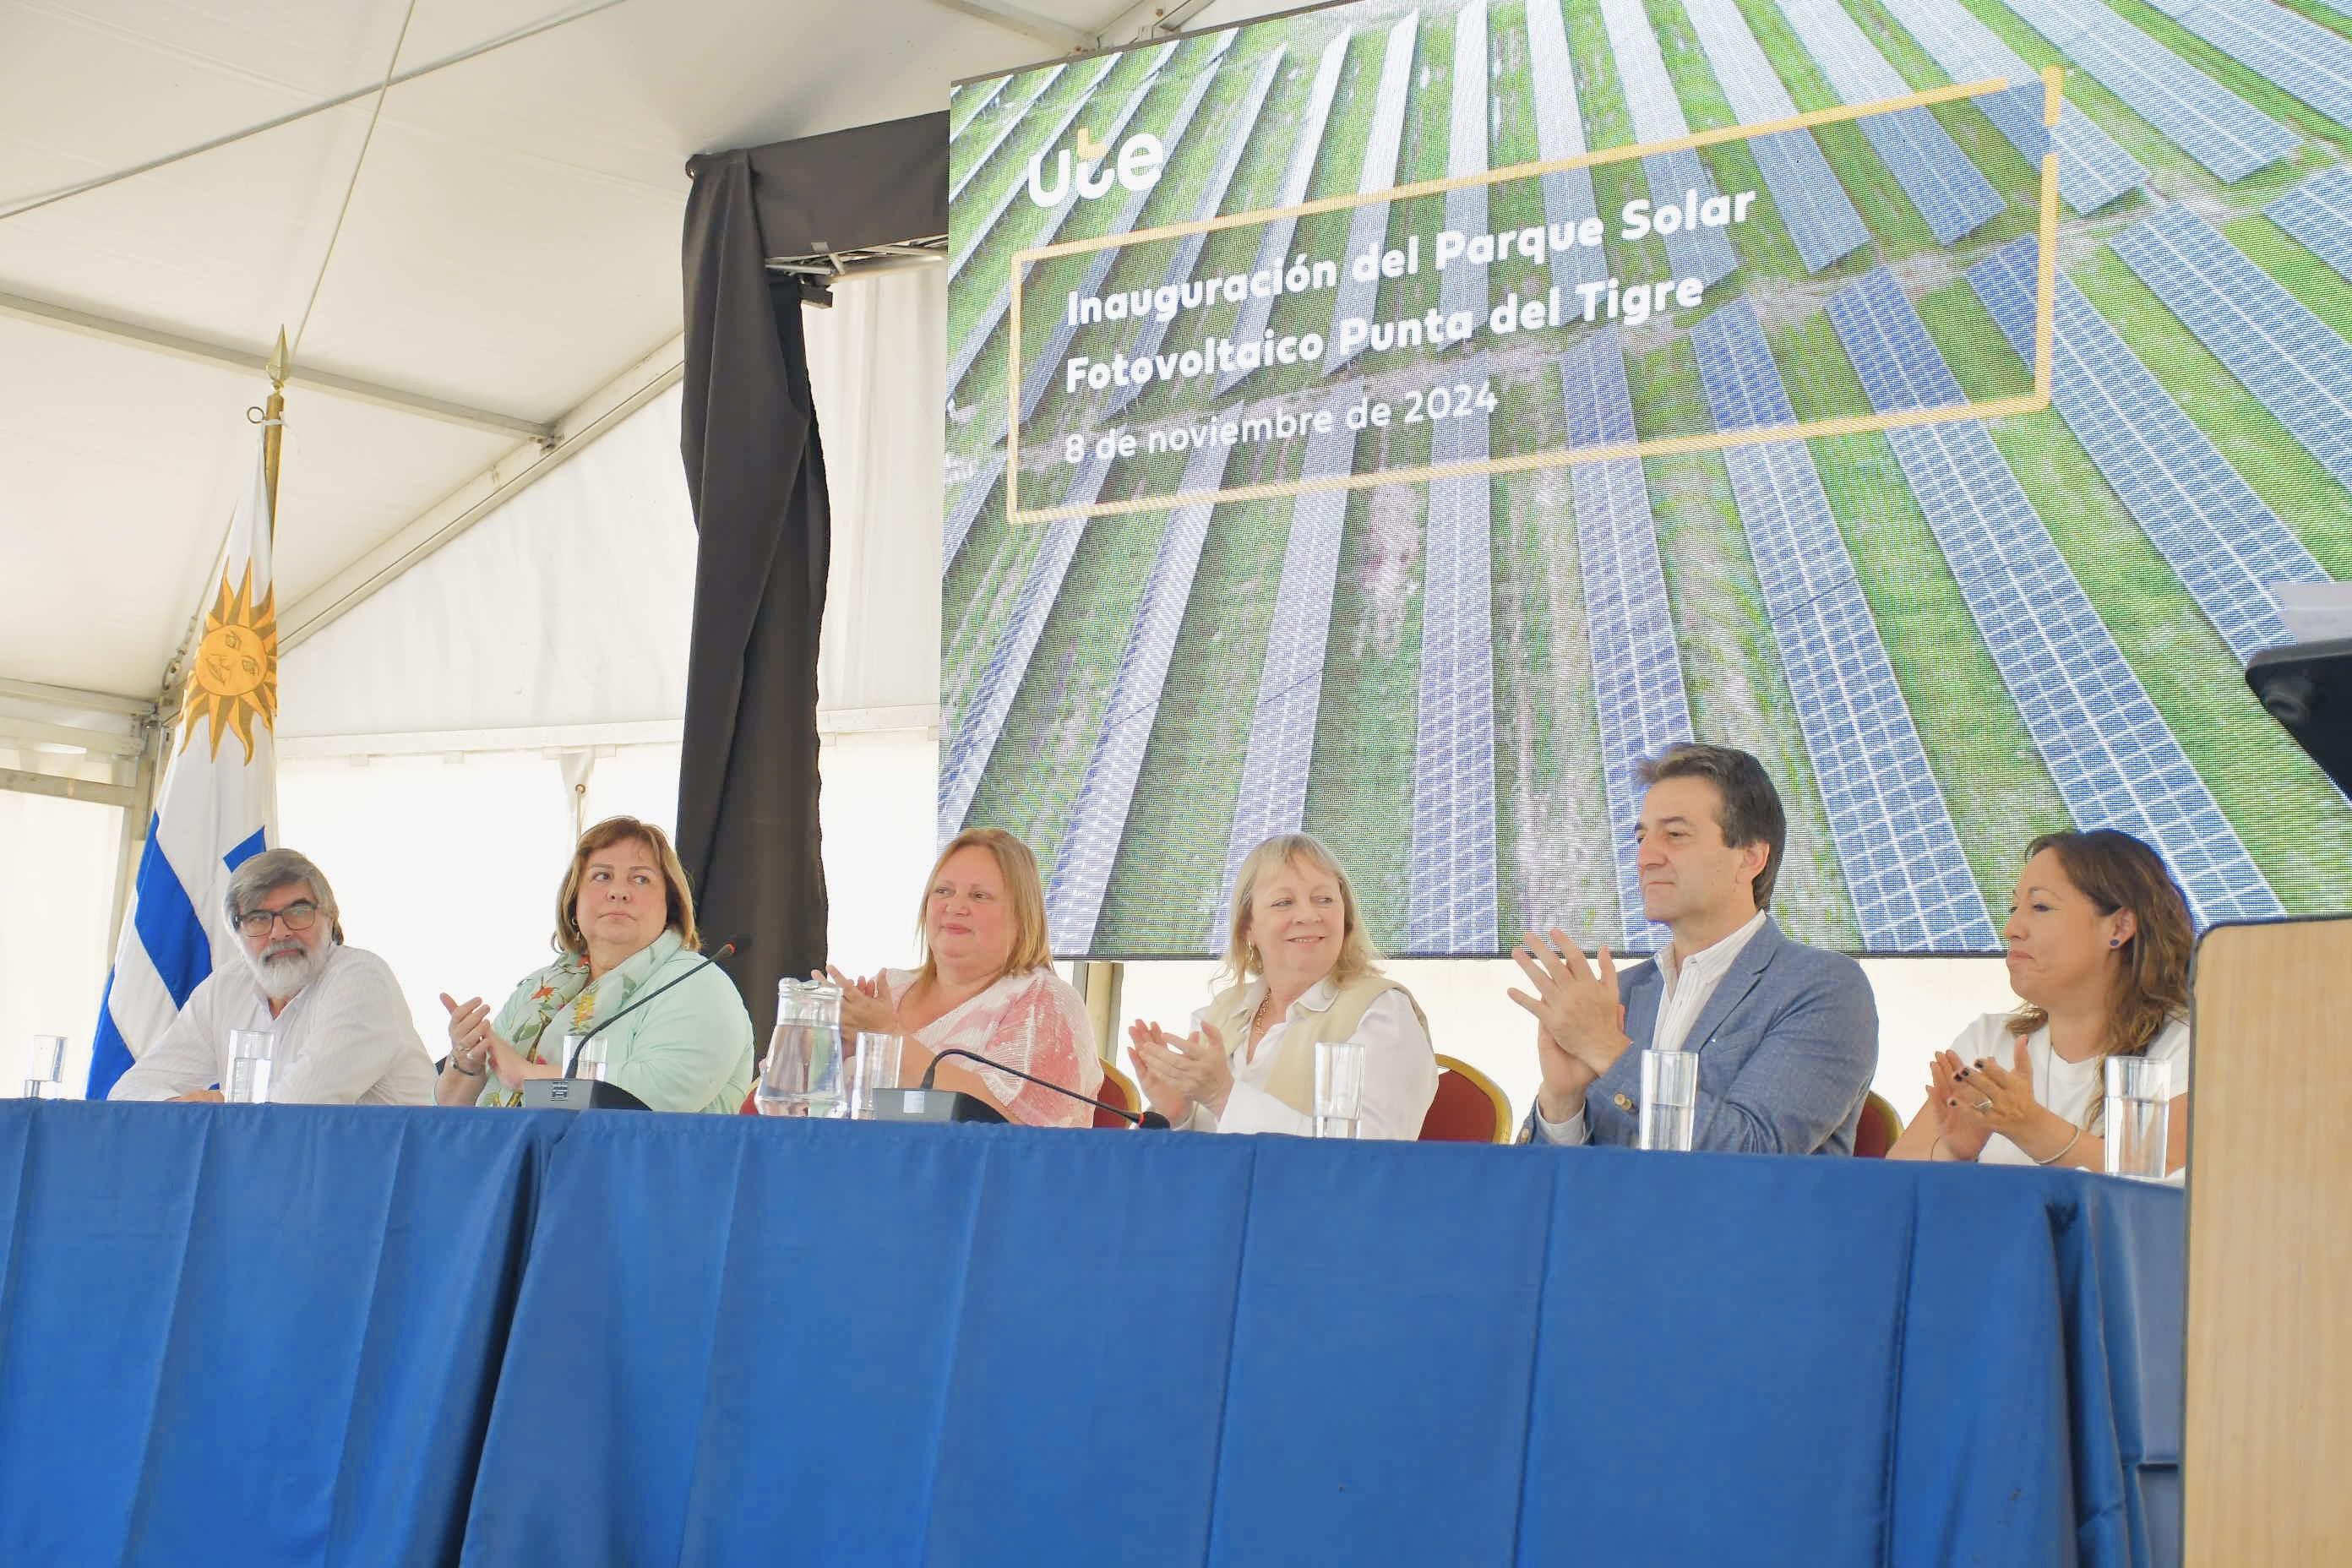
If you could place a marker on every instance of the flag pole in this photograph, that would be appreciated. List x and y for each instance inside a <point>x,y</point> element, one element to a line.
<point>273,425</point>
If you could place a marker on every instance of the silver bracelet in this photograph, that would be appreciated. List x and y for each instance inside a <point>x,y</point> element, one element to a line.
<point>2063,1153</point>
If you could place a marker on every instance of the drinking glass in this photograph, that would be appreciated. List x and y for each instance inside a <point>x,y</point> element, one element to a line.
<point>804,1072</point>
<point>251,1059</point>
<point>2138,1117</point>
<point>45,1065</point>
<point>1669,1098</point>
<point>876,1066</point>
<point>589,1057</point>
<point>1339,1088</point>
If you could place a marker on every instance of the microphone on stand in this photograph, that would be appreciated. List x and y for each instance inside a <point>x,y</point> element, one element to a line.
<point>570,1092</point>
<point>925,1103</point>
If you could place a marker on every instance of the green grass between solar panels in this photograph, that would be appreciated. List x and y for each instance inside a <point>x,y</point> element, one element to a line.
<point>2133,135</point>
<point>975,601</point>
<point>1420,155</point>
<point>1047,284</point>
<point>971,128</point>
<point>1894,222</point>
<point>1556,855</point>
<point>2305,496</point>
<point>1513,204</point>
<point>1522,651</point>
<point>979,586</point>
<point>1731,665</point>
<point>1164,887</point>
<point>1338,168</point>
<point>1359,784</point>
<point>1511,133</point>
<point>1193,160</point>
<point>1762,243</point>
<point>1257,186</point>
<point>1608,124</point>
<point>2319,11</point>
<point>1995,785</point>
<point>2290,819</point>
<point>1022,218</point>
<point>2176,173</point>
<point>2322,290</point>
<point>2258,90</point>
<point>1050,732</point>
<point>1165,890</point>
<point>1359,792</point>
<point>1015,100</point>
<point>963,107</point>
<point>1995,156</point>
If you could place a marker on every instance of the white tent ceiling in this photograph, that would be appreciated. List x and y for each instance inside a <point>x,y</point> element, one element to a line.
<point>507,262</point>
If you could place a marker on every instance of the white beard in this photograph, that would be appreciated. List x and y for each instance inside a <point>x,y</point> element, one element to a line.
<point>282,976</point>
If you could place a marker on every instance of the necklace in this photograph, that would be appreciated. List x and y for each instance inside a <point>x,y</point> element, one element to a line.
<point>1258,1023</point>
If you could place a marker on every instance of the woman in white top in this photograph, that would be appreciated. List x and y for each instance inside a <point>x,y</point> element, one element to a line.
<point>2099,941</point>
<point>1303,972</point>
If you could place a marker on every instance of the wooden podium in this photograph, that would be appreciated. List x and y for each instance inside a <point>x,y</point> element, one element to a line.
<point>2266,1462</point>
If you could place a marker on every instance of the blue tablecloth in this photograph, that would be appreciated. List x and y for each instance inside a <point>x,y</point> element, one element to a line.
<point>251,1336</point>
<point>833,1343</point>
<point>283,1335</point>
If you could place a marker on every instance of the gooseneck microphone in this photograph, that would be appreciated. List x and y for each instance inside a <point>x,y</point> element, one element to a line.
<point>1148,1120</point>
<point>571,1068</point>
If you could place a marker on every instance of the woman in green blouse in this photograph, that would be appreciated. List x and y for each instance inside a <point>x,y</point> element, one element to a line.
<point>623,926</point>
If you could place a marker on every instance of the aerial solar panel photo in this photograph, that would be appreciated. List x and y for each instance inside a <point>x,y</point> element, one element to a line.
<point>1393,421</point>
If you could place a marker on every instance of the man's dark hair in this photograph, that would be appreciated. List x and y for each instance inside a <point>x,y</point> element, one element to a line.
<point>1751,810</point>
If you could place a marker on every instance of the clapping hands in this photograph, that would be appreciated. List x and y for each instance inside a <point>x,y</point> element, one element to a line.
<point>1953,1103</point>
<point>1176,1074</point>
<point>1579,1023</point>
<point>867,1005</point>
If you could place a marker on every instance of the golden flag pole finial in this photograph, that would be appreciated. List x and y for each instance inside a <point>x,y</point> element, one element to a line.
<point>273,429</point>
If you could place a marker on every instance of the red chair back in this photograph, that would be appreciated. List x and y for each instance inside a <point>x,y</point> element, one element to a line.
<point>1881,1126</point>
<point>1469,1108</point>
<point>1119,1089</point>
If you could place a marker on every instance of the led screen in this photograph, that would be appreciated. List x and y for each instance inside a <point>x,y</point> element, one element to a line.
<point>1392,421</point>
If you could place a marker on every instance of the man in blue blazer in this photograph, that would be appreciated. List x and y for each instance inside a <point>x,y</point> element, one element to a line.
<point>1787,1036</point>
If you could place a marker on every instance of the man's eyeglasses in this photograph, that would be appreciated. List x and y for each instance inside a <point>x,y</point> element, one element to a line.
<point>300,915</point>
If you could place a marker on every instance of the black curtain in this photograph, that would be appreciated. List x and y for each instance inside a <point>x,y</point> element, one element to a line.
<point>747,787</point>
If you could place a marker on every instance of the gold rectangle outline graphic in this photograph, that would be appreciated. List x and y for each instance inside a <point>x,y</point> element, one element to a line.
<point>2044,320</point>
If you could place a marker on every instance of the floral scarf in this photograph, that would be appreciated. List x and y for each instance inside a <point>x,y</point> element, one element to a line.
<point>563,988</point>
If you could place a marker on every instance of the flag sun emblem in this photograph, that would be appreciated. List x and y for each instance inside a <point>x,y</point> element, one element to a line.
<point>234,675</point>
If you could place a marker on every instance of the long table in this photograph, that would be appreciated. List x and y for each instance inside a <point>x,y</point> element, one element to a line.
<point>347,1335</point>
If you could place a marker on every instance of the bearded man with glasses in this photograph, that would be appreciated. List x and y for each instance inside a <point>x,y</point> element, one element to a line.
<point>344,1034</point>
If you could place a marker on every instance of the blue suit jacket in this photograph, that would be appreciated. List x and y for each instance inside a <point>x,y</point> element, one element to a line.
<point>1786,1048</point>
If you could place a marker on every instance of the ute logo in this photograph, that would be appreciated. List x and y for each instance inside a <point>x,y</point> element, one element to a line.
<point>1137,167</point>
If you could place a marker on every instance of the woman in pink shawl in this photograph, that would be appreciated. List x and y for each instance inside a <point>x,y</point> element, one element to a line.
<point>987,986</point>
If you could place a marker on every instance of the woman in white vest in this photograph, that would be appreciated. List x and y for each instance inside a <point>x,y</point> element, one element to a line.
<point>1303,972</point>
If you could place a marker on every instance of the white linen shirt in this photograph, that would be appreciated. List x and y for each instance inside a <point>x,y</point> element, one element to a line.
<point>1689,985</point>
<point>1400,1070</point>
<point>2073,1090</point>
<point>345,1038</point>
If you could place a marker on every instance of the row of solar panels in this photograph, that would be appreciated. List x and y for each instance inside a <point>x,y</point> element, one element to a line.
<point>1901,855</point>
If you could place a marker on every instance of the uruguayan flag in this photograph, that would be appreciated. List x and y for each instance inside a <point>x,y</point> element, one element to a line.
<point>218,807</point>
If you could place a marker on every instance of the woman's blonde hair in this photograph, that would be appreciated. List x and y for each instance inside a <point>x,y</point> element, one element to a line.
<point>1356,954</point>
<point>1022,888</point>
<point>569,938</point>
<point>2116,871</point>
